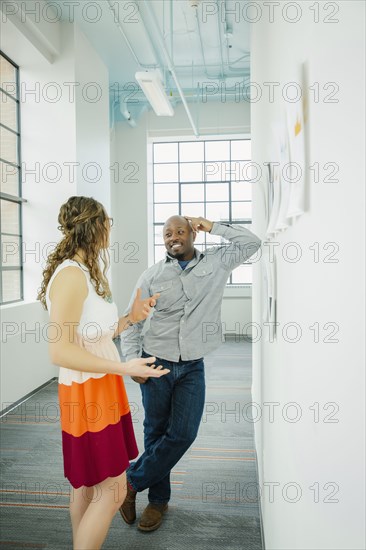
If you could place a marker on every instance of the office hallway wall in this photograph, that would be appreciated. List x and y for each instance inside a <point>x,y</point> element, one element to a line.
<point>310,381</point>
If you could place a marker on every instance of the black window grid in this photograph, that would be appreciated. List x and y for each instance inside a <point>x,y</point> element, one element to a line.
<point>204,182</point>
<point>17,199</point>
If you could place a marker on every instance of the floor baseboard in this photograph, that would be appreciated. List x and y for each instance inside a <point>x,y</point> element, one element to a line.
<point>25,398</point>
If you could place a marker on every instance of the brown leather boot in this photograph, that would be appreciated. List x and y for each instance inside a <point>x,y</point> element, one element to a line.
<point>152,517</point>
<point>128,508</point>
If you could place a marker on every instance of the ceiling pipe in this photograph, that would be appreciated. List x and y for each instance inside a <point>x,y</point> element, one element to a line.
<point>131,113</point>
<point>233,70</point>
<point>192,92</point>
<point>200,37</point>
<point>171,32</point>
<point>119,26</point>
<point>126,114</point>
<point>170,65</point>
<point>220,37</point>
<point>224,74</point>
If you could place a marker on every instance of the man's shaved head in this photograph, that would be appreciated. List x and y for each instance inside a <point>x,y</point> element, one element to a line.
<point>181,220</point>
<point>179,237</point>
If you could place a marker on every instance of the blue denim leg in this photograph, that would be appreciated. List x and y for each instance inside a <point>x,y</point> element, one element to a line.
<point>173,410</point>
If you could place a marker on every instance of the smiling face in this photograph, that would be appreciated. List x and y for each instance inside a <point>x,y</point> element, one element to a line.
<point>179,238</point>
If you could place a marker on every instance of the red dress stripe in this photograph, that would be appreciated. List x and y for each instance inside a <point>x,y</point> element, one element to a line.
<point>93,457</point>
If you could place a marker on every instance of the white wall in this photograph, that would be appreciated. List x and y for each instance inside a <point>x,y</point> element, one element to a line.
<point>54,127</point>
<point>133,209</point>
<point>129,209</point>
<point>92,122</point>
<point>308,452</point>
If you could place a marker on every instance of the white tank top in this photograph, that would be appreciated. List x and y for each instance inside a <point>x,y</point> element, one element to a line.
<point>99,317</point>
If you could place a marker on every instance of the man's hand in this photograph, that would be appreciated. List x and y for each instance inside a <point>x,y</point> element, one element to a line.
<point>199,224</point>
<point>140,309</point>
<point>139,379</point>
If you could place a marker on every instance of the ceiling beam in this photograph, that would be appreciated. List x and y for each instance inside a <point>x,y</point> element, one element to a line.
<point>170,65</point>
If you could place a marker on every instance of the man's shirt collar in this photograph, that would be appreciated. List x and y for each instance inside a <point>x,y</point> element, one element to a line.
<point>195,259</point>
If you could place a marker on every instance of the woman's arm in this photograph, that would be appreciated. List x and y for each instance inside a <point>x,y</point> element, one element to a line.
<point>67,294</point>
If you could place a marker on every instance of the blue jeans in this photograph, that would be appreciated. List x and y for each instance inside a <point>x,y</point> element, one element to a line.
<point>173,410</point>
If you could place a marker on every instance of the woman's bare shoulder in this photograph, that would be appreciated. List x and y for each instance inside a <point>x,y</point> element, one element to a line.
<point>70,280</point>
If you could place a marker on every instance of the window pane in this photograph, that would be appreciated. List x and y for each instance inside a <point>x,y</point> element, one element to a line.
<point>244,170</point>
<point>166,192</point>
<point>241,149</point>
<point>165,173</point>
<point>241,210</point>
<point>10,251</point>
<point>164,211</point>
<point>200,238</point>
<point>158,234</point>
<point>11,274</point>
<point>8,111</point>
<point>9,176</point>
<point>191,151</point>
<point>159,253</point>
<point>7,77</point>
<point>8,145</point>
<point>216,212</point>
<point>241,191</point>
<point>193,192</point>
<point>9,217</point>
<point>217,171</point>
<point>217,150</point>
<point>200,247</point>
<point>11,286</point>
<point>165,152</point>
<point>214,239</point>
<point>193,209</point>
<point>191,171</point>
<point>242,275</point>
<point>217,192</point>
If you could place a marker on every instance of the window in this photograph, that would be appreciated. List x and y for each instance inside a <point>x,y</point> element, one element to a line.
<point>203,178</point>
<point>11,271</point>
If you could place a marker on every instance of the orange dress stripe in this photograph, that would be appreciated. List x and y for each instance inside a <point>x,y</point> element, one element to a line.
<point>92,405</point>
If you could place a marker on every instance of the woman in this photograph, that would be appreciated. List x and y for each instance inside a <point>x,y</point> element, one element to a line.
<point>97,433</point>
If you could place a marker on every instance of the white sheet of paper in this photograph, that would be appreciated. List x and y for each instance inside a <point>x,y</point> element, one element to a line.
<point>265,289</point>
<point>296,132</point>
<point>281,137</point>
<point>273,292</point>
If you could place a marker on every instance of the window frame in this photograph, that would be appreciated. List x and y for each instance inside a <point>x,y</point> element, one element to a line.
<point>186,139</point>
<point>13,198</point>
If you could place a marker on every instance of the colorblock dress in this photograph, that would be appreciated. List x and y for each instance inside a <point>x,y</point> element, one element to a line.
<point>98,440</point>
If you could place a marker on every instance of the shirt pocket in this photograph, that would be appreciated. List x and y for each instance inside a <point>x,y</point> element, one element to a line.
<point>167,295</point>
<point>203,270</point>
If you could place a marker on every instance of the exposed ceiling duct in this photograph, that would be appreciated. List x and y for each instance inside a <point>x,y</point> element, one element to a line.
<point>201,48</point>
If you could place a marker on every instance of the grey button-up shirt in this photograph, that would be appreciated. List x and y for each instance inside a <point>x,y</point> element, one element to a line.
<point>186,321</point>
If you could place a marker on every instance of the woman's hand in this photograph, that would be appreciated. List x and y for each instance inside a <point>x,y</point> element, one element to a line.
<point>141,309</point>
<point>139,368</point>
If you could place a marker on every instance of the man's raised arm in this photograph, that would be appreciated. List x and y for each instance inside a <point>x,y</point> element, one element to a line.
<point>243,243</point>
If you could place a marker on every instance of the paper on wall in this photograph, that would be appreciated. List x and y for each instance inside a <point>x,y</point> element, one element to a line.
<point>282,146</point>
<point>296,173</point>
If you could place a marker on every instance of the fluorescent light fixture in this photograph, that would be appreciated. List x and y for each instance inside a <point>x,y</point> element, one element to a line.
<point>152,87</point>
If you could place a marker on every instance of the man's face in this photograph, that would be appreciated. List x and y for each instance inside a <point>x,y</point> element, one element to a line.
<point>179,238</point>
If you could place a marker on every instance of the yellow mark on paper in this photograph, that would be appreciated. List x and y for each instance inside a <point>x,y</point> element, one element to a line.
<point>297,127</point>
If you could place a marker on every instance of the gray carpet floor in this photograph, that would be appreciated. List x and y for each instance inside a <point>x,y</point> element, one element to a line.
<point>214,501</point>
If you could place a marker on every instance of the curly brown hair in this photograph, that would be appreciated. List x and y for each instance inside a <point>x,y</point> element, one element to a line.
<point>85,225</point>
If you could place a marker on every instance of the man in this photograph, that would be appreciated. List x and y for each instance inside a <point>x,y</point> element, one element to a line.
<point>191,285</point>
